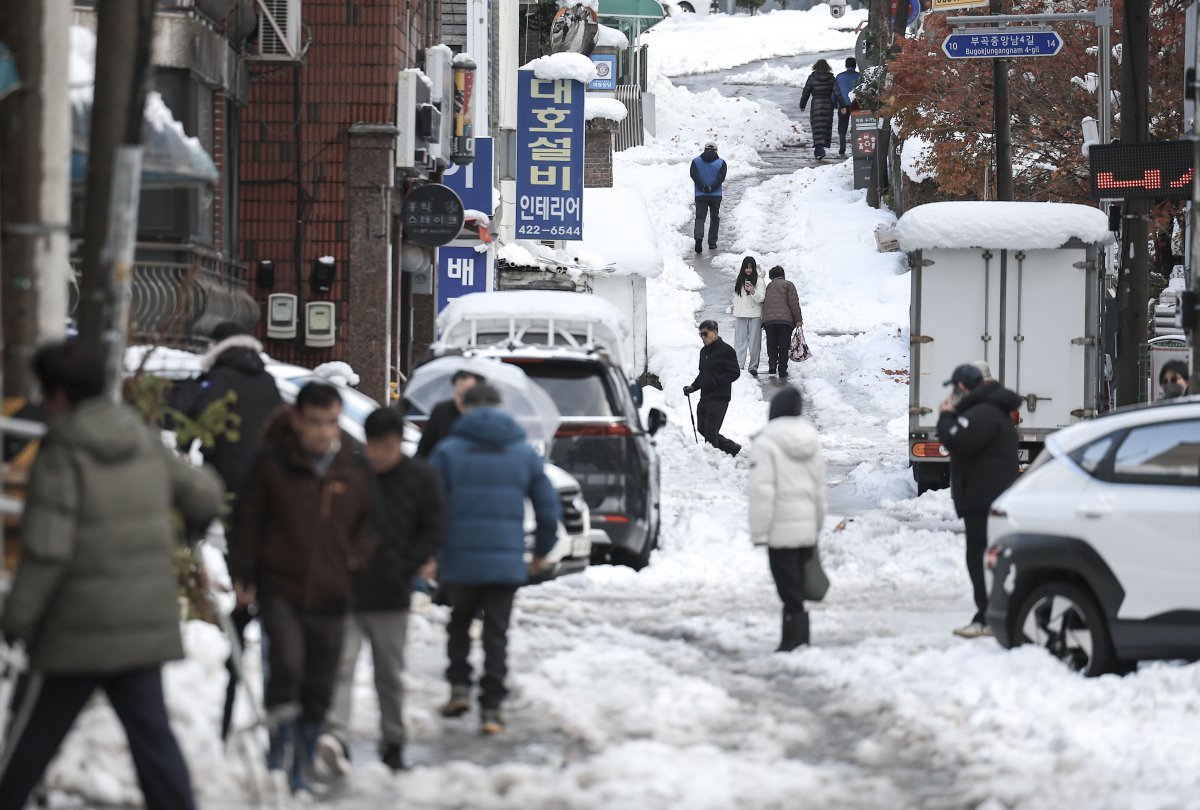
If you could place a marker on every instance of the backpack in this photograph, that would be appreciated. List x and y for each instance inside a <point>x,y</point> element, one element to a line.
<point>799,350</point>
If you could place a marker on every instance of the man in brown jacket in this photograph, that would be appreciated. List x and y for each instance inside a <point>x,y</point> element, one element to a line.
<point>304,531</point>
<point>780,315</point>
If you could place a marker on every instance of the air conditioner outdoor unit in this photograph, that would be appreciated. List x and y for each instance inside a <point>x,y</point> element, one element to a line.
<point>278,30</point>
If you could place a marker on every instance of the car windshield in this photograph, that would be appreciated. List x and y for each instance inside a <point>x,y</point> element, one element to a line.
<point>577,388</point>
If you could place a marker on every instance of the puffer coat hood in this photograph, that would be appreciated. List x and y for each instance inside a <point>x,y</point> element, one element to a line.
<point>106,433</point>
<point>489,426</point>
<point>787,484</point>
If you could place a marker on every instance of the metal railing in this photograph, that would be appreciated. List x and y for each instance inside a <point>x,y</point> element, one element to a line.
<point>629,132</point>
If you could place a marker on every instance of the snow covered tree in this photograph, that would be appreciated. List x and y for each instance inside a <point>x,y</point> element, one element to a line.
<point>947,103</point>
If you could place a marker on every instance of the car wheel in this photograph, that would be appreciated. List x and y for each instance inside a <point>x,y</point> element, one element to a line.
<point>1065,619</point>
<point>687,7</point>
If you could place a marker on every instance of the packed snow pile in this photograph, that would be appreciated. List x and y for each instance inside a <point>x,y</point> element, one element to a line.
<point>337,372</point>
<point>607,37</point>
<point>690,43</point>
<point>772,75</point>
<point>618,228</point>
<point>609,108</point>
<point>993,224</point>
<point>563,66</point>
<point>914,155</point>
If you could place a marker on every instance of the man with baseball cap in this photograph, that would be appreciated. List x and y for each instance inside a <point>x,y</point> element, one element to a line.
<point>976,426</point>
<point>708,175</point>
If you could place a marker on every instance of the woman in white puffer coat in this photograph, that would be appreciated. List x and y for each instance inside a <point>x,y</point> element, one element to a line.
<point>746,309</point>
<point>787,505</point>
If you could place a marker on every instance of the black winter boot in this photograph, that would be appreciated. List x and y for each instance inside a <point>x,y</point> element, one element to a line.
<point>795,631</point>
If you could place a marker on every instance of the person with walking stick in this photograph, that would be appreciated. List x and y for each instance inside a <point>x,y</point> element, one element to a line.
<point>718,370</point>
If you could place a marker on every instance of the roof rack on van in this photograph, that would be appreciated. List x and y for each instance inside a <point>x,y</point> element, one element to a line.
<point>535,318</point>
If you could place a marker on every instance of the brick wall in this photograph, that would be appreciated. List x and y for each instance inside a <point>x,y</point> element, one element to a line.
<point>294,143</point>
<point>598,152</point>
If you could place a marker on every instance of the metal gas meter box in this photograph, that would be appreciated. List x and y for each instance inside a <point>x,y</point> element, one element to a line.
<point>1016,285</point>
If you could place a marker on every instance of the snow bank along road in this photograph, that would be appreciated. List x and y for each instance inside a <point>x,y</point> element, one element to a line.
<point>659,689</point>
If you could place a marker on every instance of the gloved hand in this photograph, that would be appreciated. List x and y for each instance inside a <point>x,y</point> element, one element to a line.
<point>802,108</point>
<point>687,389</point>
<point>707,188</point>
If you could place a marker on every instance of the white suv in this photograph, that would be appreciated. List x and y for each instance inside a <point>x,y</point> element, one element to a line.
<point>1096,549</point>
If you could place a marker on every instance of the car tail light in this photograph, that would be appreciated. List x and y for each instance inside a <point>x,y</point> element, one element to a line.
<point>609,518</point>
<point>992,557</point>
<point>607,429</point>
<point>929,450</point>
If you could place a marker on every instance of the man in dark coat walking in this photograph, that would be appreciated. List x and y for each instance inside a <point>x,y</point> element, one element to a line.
<point>976,427</point>
<point>847,82</point>
<point>445,414</point>
<point>822,89</point>
<point>303,532</point>
<point>234,363</point>
<point>708,175</point>
<point>488,470</point>
<point>718,369</point>
<point>409,521</point>
<point>94,598</point>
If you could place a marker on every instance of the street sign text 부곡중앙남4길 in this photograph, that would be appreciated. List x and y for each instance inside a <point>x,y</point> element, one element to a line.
<point>550,121</point>
<point>1002,43</point>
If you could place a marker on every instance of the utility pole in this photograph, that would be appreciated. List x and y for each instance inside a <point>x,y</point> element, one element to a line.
<point>1002,120</point>
<point>35,152</point>
<point>123,37</point>
<point>1133,283</point>
<point>877,23</point>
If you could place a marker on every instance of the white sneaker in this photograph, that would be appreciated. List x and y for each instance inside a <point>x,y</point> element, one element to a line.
<point>331,755</point>
<point>973,630</point>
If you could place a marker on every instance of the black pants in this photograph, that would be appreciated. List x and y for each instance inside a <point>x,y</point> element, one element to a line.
<point>787,569</point>
<point>137,698</point>
<point>976,549</point>
<point>495,601</point>
<point>704,207</point>
<point>843,126</point>
<point>779,343</point>
<point>710,415</point>
<point>303,651</point>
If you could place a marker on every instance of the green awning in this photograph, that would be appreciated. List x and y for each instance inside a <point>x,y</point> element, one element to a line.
<point>631,8</point>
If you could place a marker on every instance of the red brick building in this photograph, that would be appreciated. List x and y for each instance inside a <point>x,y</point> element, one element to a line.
<point>317,173</point>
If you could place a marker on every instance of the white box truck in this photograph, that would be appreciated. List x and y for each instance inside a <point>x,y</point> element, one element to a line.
<point>1018,286</point>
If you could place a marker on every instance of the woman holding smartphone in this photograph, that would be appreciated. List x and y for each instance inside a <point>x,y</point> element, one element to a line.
<point>747,313</point>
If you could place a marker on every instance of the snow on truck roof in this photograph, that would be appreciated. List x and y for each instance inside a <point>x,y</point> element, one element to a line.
<point>534,305</point>
<point>1000,225</point>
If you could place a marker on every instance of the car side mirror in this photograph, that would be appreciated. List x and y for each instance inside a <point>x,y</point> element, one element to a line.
<point>635,391</point>
<point>655,421</point>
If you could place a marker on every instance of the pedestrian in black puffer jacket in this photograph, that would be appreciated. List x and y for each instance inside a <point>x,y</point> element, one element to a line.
<point>234,363</point>
<point>718,369</point>
<point>981,437</point>
<point>822,88</point>
<point>409,519</point>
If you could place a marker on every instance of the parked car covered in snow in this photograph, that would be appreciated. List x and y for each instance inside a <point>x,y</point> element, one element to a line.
<point>561,340</point>
<point>1096,549</point>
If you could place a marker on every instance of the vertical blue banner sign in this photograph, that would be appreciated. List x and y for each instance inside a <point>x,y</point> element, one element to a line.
<point>460,270</point>
<point>473,182</point>
<point>550,121</point>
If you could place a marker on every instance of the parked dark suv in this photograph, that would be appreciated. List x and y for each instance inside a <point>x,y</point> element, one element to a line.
<point>602,442</point>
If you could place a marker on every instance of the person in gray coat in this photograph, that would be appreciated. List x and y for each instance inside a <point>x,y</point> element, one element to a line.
<point>822,88</point>
<point>94,599</point>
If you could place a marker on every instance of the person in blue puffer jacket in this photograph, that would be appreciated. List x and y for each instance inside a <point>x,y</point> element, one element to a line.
<point>488,469</point>
<point>708,175</point>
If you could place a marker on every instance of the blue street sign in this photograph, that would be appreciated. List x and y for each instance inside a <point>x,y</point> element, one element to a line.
<point>606,72</point>
<point>460,270</point>
<point>473,182</point>
<point>550,121</point>
<point>1002,43</point>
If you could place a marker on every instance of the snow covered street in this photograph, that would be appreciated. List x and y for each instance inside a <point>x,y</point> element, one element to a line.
<point>660,689</point>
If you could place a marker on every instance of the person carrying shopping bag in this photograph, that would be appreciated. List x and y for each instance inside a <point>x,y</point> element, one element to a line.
<point>746,309</point>
<point>787,507</point>
<point>780,316</point>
